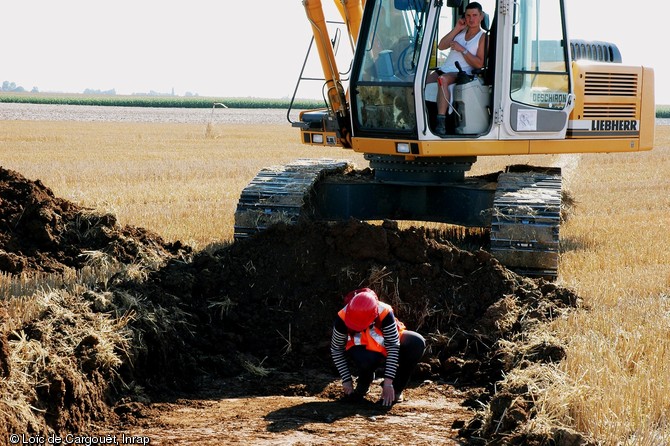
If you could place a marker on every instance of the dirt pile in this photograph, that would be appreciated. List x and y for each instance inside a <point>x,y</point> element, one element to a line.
<point>40,232</point>
<point>264,305</point>
<point>59,364</point>
<point>275,296</point>
<point>59,352</point>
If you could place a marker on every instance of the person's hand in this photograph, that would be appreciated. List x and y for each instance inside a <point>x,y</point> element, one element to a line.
<point>348,387</point>
<point>461,24</point>
<point>457,47</point>
<point>388,394</point>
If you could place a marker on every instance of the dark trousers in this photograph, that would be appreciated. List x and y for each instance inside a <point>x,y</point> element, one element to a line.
<point>412,346</point>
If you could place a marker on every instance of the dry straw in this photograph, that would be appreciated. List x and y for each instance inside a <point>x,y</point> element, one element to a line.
<point>64,323</point>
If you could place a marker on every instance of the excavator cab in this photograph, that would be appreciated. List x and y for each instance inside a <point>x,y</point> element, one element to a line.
<point>526,93</point>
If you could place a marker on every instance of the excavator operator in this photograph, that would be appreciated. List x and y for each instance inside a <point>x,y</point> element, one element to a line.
<point>467,52</point>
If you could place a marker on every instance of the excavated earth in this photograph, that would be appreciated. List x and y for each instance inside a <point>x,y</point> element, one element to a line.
<point>233,346</point>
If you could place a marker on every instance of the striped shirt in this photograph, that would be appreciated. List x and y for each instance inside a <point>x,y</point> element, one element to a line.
<point>391,342</point>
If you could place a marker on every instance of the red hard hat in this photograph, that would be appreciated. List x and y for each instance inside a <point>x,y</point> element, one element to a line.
<point>361,310</point>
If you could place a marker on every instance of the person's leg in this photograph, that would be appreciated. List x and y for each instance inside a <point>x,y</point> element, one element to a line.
<point>366,363</point>
<point>432,77</point>
<point>443,98</point>
<point>412,346</point>
<point>432,92</point>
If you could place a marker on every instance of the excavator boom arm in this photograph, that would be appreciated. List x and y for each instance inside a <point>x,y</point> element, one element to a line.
<point>334,91</point>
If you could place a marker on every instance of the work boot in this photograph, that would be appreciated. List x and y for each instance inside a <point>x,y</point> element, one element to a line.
<point>441,127</point>
<point>362,389</point>
<point>353,398</point>
<point>363,383</point>
<point>358,394</point>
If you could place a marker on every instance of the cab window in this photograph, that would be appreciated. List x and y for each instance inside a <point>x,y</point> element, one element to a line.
<point>540,76</point>
<point>384,97</point>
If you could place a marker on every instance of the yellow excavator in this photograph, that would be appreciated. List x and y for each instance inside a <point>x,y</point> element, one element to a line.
<point>537,93</point>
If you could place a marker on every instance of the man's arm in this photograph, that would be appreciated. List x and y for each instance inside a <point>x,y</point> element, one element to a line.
<point>338,343</point>
<point>392,345</point>
<point>445,41</point>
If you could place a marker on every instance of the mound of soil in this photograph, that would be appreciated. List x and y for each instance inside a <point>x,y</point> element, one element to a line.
<point>42,233</point>
<point>265,305</point>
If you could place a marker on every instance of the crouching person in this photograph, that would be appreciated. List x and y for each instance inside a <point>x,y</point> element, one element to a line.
<point>367,334</point>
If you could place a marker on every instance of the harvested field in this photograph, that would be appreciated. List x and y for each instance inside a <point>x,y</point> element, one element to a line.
<point>147,336</point>
<point>87,113</point>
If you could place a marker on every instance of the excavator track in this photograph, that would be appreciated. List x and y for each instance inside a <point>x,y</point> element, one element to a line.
<point>525,217</point>
<point>526,221</point>
<point>279,194</point>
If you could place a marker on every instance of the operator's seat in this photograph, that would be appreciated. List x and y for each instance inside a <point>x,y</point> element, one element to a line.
<point>472,99</point>
<point>487,49</point>
<point>385,66</point>
<point>490,54</point>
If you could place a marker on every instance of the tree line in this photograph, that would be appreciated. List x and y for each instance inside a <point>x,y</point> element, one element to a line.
<point>11,86</point>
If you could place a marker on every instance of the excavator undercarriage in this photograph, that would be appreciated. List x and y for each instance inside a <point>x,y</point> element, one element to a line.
<point>521,207</point>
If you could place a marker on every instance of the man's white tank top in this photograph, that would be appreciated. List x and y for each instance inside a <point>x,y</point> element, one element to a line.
<point>471,45</point>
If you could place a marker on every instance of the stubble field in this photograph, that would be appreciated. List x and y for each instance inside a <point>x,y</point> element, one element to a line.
<point>182,179</point>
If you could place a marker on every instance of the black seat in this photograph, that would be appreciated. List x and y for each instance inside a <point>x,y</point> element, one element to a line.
<point>490,53</point>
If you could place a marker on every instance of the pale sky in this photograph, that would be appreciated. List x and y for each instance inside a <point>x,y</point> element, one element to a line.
<point>226,48</point>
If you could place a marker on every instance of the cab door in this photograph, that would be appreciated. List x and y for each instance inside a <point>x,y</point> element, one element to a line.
<point>537,92</point>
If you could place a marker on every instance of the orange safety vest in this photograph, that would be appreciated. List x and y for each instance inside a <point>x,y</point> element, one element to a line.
<point>372,337</point>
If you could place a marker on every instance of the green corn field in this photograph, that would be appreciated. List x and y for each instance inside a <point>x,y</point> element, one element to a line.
<point>156,101</point>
